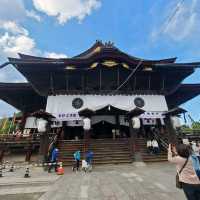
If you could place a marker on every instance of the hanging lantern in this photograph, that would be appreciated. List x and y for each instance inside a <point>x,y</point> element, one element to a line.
<point>42,125</point>
<point>176,122</point>
<point>135,122</point>
<point>86,124</point>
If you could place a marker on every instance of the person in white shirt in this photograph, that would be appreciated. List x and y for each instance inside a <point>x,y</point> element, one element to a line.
<point>155,146</point>
<point>149,146</point>
<point>195,148</point>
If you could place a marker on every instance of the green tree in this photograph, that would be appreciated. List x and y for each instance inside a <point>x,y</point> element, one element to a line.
<point>196,125</point>
<point>8,128</point>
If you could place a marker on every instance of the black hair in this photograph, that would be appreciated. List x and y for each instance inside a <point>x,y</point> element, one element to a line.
<point>183,150</point>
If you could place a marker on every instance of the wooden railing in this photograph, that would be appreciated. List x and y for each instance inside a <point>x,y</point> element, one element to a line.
<point>161,141</point>
<point>195,132</point>
<point>14,138</point>
<point>21,138</point>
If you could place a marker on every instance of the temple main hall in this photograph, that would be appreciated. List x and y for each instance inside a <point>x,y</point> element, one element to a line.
<point>103,99</point>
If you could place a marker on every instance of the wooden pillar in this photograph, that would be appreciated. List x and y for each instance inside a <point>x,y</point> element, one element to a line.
<point>118,77</point>
<point>28,153</point>
<point>44,143</point>
<point>2,151</point>
<point>86,140</point>
<point>23,120</point>
<point>170,130</point>
<point>117,127</point>
<point>100,78</point>
<point>132,137</point>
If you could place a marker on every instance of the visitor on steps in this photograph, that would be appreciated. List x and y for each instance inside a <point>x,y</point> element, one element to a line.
<point>195,148</point>
<point>155,146</point>
<point>181,155</point>
<point>77,158</point>
<point>149,146</point>
<point>89,156</point>
<point>54,160</point>
<point>51,148</point>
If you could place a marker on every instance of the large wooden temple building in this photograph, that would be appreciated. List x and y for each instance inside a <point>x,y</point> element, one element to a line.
<point>103,84</point>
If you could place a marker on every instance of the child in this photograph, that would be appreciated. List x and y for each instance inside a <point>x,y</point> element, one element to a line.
<point>89,157</point>
<point>155,146</point>
<point>77,158</point>
<point>149,146</point>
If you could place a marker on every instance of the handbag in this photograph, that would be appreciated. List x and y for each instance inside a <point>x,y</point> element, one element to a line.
<point>178,182</point>
<point>196,164</point>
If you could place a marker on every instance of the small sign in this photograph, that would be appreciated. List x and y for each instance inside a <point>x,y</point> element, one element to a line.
<point>68,116</point>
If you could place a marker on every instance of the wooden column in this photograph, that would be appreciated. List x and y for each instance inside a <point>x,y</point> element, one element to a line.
<point>44,143</point>
<point>117,123</point>
<point>170,130</point>
<point>86,140</point>
<point>23,120</point>
<point>2,151</point>
<point>29,150</point>
<point>132,137</point>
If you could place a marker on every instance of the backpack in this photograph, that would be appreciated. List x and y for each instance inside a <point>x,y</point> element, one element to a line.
<point>196,165</point>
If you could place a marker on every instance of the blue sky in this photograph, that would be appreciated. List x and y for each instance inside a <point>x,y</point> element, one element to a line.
<point>58,28</point>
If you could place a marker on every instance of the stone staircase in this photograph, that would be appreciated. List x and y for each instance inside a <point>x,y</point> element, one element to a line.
<point>67,149</point>
<point>106,151</point>
<point>140,147</point>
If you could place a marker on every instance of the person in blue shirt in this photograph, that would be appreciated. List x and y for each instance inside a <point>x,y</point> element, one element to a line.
<point>54,160</point>
<point>77,158</point>
<point>89,157</point>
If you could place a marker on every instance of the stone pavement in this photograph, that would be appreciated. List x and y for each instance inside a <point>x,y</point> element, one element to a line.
<point>14,183</point>
<point>109,182</point>
<point>124,182</point>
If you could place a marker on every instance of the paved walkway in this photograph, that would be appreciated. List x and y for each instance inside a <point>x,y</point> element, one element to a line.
<point>13,184</point>
<point>124,182</point>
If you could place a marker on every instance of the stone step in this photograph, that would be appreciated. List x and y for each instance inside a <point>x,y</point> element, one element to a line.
<point>98,159</point>
<point>106,151</point>
<point>98,153</point>
<point>155,160</point>
<point>102,162</point>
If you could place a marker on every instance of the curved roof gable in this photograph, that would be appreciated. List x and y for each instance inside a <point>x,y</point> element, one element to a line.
<point>109,47</point>
<point>99,49</point>
<point>22,96</point>
<point>184,93</point>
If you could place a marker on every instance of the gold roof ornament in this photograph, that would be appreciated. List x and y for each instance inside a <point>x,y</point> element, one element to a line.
<point>97,50</point>
<point>70,67</point>
<point>125,65</point>
<point>110,63</point>
<point>94,65</point>
<point>147,69</point>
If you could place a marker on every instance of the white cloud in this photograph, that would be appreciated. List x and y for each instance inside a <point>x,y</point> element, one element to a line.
<point>15,39</point>
<point>65,10</point>
<point>32,14</point>
<point>54,55</point>
<point>12,27</point>
<point>10,45</point>
<point>14,10</point>
<point>183,24</point>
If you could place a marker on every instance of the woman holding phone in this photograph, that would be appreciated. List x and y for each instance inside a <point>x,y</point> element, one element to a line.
<point>181,156</point>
